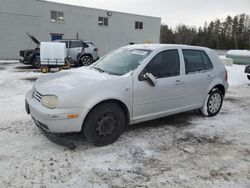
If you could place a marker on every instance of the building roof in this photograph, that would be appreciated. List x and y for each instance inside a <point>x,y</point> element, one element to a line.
<point>79,6</point>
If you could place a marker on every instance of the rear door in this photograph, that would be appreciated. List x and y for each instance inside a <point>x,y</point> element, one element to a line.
<point>91,49</point>
<point>75,47</point>
<point>197,78</point>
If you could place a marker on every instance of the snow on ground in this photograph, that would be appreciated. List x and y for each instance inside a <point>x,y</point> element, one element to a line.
<point>226,61</point>
<point>8,61</point>
<point>185,150</point>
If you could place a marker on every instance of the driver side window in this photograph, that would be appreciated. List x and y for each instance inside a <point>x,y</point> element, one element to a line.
<point>165,64</point>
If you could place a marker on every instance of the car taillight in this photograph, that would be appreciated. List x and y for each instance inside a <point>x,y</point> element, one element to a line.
<point>226,75</point>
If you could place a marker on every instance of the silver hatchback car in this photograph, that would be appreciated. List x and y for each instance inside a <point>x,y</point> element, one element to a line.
<point>129,85</point>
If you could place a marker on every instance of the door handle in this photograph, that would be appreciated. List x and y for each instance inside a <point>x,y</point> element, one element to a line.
<point>209,76</point>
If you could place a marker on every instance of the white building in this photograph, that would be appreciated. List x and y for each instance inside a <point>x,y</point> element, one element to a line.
<point>48,20</point>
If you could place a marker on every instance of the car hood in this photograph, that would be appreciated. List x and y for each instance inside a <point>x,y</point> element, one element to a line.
<point>66,81</point>
<point>34,39</point>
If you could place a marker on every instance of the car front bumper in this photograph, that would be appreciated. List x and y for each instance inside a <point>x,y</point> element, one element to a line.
<point>54,120</point>
<point>23,61</point>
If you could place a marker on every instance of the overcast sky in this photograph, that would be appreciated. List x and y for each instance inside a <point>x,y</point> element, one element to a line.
<point>172,12</point>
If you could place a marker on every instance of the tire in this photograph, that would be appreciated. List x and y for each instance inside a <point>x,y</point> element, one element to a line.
<point>85,60</point>
<point>213,103</point>
<point>45,69</point>
<point>248,76</point>
<point>104,124</point>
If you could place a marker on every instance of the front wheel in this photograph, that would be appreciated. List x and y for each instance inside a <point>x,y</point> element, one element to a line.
<point>45,69</point>
<point>85,60</point>
<point>104,124</point>
<point>248,76</point>
<point>213,103</point>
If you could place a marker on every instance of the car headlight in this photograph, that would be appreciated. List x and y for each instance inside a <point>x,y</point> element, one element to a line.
<point>50,101</point>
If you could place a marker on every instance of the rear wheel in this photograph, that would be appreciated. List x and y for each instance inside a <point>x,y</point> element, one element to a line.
<point>45,69</point>
<point>104,124</point>
<point>248,76</point>
<point>85,60</point>
<point>213,103</point>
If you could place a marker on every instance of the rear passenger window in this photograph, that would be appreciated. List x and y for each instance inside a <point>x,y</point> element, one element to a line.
<point>207,62</point>
<point>76,44</point>
<point>165,64</point>
<point>196,60</point>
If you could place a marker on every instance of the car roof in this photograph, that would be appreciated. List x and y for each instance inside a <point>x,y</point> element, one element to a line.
<point>74,40</point>
<point>71,40</point>
<point>154,47</point>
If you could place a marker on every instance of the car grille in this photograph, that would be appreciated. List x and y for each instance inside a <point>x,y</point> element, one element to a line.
<point>38,96</point>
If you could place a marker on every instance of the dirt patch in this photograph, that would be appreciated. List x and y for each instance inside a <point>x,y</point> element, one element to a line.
<point>179,120</point>
<point>242,102</point>
<point>31,79</point>
<point>232,99</point>
<point>11,63</point>
<point>197,139</point>
<point>2,68</point>
<point>218,174</point>
<point>33,70</point>
<point>224,112</point>
<point>24,67</point>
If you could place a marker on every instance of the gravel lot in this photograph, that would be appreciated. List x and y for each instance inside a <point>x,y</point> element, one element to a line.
<point>185,150</point>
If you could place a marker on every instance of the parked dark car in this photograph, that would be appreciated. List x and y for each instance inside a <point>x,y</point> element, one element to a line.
<point>247,70</point>
<point>31,56</point>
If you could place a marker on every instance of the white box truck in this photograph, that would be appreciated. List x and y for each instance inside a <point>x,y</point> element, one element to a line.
<point>52,55</point>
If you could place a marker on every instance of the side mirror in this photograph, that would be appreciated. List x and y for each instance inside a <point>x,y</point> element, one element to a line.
<point>150,78</point>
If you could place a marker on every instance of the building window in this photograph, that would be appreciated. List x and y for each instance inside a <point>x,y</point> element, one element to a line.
<point>138,25</point>
<point>56,16</point>
<point>103,21</point>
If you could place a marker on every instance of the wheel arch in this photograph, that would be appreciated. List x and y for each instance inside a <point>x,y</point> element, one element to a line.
<point>86,54</point>
<point>219,87</point>
<point>121,104</point>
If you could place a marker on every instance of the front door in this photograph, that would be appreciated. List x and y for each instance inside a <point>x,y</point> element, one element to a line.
<point>163,98</point>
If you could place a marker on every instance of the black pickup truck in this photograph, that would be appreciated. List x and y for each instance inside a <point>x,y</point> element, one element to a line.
<point>247,70</point>
<point>31,56</point>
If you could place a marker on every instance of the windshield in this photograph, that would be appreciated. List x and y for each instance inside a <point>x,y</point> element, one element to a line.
<point>121,61</point>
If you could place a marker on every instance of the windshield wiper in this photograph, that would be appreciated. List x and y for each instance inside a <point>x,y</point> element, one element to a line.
<point>99,69</point>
